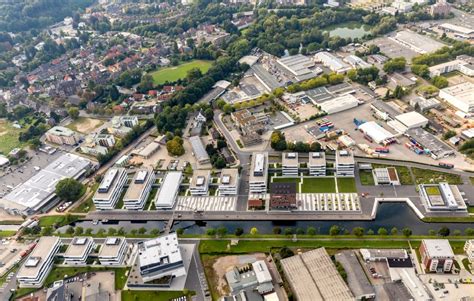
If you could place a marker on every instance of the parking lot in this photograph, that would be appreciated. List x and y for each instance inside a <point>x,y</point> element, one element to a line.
<point>15,175</point>
<point>392,49</point>
<point>207,203</point>
<point>328,202</point>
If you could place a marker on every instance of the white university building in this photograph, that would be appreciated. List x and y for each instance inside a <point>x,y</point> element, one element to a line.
<point>139,189</point>
<point>107,195</point>
<point>78,251</point>
<point>113,252</point>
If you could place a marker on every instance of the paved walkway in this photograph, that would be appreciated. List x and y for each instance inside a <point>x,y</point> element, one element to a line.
<point>207,203</point>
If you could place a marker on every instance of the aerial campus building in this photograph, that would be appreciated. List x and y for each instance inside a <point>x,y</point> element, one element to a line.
<point>40,262</point>
<point>460,96</point>
<point>199,150</point>
<point>78,251</point>
<point>436,255</point>
<point>160,257</point>
<point>462,63</point>
<point>107,195</point>
<point>37,192</point>
<point>139,189</point>
<point>166,196</point>
<point>199,184</point>
<point>61,135</point>
<point>258,173</point>
<point>114,251</point>
<point>345,164</point>
<point>441,197</point>
<point>317,164</point>
<point>289,164</point>
<point>229,182</point>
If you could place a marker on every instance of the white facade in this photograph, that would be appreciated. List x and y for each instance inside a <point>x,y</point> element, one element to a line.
<point>139,189</point>
<point>412,120</point>
<point>469,249</point>
<point>317,164</point>
<point>113,252</point>
<point>108,194</point>
<point>40,262</point>
<point>377,133</point>
<point>200,182</point>
<point>78,250</point>
<point>339,104</point>
<point>166,196</point>
<point>332,62</point>
<point>345,164</point>
<point>258,173</point>
<point>460,96</point>
<point>289,164</point>
<point>229,181</point>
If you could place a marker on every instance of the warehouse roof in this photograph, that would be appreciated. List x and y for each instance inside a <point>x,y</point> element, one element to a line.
<point>411,119</point>
<point>198,149</point>
<point>339,104</point>
<point>166,197</point>
<point>356,277</point>
<point>375,131</point>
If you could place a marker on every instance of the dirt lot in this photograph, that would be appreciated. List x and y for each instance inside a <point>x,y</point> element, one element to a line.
<point>85,125</point>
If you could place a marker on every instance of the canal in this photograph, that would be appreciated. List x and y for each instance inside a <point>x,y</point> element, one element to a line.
<point>389,215</point>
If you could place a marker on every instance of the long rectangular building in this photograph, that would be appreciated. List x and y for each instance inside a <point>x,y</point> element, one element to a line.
<point>460,96</point>
<point>166,196</point>
<point>38,191</point>
<point>313,277</point>
<point>139,189</point>
<point>78,251</point>
<point>161,257</point>
<point>317,164</point>
<point>258,173</point>
<point>345,164</point>
<point>229,181</point>
<point>332,62</point>
<point>40,262</point>
<point>108,194</point>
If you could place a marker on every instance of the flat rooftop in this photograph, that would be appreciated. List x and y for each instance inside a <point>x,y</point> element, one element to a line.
<point>463,92</point>
<point>419,43</point>
<point>110,183</point>
<point>289,159</point>
<point>38,256</point>
<point>229,177</point>
<point>138,184</point>
<point>317,159</point>
<point>163,249</point>
<point>111,247</point>
<point>39,188</point>
<point>200,178</point>
<point>61,131</point>
<point>78,247</point>
<point>259,167</point>
<point>356,277</point>
<point>344,157</point>
<point>166,196</point>
<point>438,247</point>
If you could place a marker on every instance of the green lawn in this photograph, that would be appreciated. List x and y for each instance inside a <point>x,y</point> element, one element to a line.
<point>346,185</point>
<point>318,185</point>
<point>424,176</point>
<point>120,277</point>
<point>9,137</point>
<point>59,220</point>
<point>403,173</point>
<point>151,295</point>
<point>172,74</point>
<point>366,177</point>
<point>433,190</point>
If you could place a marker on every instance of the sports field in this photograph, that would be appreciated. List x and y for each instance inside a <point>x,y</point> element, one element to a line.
<point>9,137</point>
<point>174,73</point>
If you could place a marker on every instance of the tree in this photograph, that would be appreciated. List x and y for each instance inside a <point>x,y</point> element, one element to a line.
<point>69,189</point>
<point>382,231</point>
<point>211,232</point>
<point>358,231</point>
<point>439,82</point>
<point>70,230</point>
<point>394,231</point>
<point>121,231</point>
<point>334,230</point>
<point>114,93</point>
<point>431,232</point>
<point>146,83</point>
<point>311,231</point>
<point>78,231</point>
<point>88,231</point>
<point>141,230</point>
<point>286,252</point>
<point>278,141</point>
<point>112,231</point>
<point>238,231</point>
<point>395,64</point>
<point>370,232</point>
<point>175,146</point>
<point>469,231</point>
<point>155,231</point>
<point>73,112</point>
<point>179,231</point>
<point>289,231</point>
<point>449,134</point>
<point>444,231</point>
<point>457,232</point>
<point>276,230</point>
<point>221,231</point>
<point>254,231</point>
<point>407,232</point>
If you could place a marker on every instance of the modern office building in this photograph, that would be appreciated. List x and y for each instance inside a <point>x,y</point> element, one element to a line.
<point>78,251</point>
<point>40,262</point>
<point>436,255</point>
<point>469,250</point>
<point>289,164</point>
<point>166,196</point>
<point>463,64</point>
<point>160,257</point>
<point>317,164</point>
<point>345,164</point>
<point>386,176</point>
<point>114,251</point>
<point>38,192</point>
<point>441,197</point>
<point>229,182</point>
<point>139,189</point>
<point>105,140</point>
<point>61,135</point>
<point>460,96</point>
<point>108,194</point>
<point>199,184</point>
<point>258,173</point>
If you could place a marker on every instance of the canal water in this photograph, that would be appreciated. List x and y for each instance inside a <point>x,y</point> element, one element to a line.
<point>389,215</point>
<point>348,30</point>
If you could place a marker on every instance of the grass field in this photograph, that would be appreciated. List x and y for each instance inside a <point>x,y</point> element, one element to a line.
<point>84,125</point>
<point>424,176</point>
<point>318,185</point>
<point>366,177</point>
<point>9,137</point>
<point>432,190</point>
<point>172,74</point>
<point>346,185</point>
<point>59,220</point>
